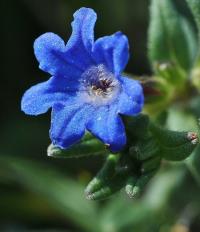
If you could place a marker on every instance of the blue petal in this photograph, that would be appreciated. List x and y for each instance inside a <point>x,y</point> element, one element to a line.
<point>68,123</point>
<point>107,125</point>
<point>39,98</point>
<point>50,51</point>
<point>79,46</point>
<point>131,99</point>
<point>112,51</point>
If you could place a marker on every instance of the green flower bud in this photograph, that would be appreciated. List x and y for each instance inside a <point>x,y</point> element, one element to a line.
<point>130,184</point>
<point>134,189</point>
<point>169,138</point>
<point>105,189</point>
<point>106,173</point>
<point>181,152</point>
<point>137,127</point>
<point>150,164</point>
<point>174,145</point>
<point>144,149</point>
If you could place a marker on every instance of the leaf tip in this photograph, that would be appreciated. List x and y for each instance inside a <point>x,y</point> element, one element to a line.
<point>193,137</point>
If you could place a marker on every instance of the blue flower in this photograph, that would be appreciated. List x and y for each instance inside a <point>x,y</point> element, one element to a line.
<point>87,90</point>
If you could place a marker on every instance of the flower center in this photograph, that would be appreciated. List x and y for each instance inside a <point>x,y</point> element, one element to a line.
<point>99,86</point>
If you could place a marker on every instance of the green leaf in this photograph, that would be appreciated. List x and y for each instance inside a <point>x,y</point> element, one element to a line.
<point>171,37</point>
<point>88,146</point>
<point>193,164</point>
<point>195,8</point>
<point>170,71</point>
<point>136,183</point>
<point>181,120</point>
<point>178,153</point>
<point>174,145</point>
<point>164,185</point>
<point>144,149</point>
<point>162,143</point>
<point>106,172</point>
<point>136,189</point>
<point>136,127</point>
<point>130,184</point>
<point>193,106</point>
<point>150,164</point>
<point>109,187</point>
<point>108,181</point>
<point>195,75</point>
<point>170,138</point>
<point>151,208</point>
<point>63,194</point>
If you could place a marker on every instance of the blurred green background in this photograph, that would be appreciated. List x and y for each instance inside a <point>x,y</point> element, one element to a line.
<point>42,193</point>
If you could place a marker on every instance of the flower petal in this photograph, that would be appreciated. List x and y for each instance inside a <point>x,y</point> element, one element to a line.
<point>112,51</point>
<point>39,98</point>
<point>128,106</point>
<point>50,51</point>
<point>133,88</point>
<point>107,125</point>
<point>80,44</point>
<point>70,60</point>
<point>131,99</point>
<point>68,123</point>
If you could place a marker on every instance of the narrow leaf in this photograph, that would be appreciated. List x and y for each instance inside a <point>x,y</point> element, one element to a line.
<point>109,187</point>
<point>169,137</point>
<point>150,164</point>
<point>84,148</point>
<point>178,153</point>
<point>136,127</point>
<point>130,184</point>
<point>195,8</point>
<point>107,172</point>
<point>144,149</point>
<point>195,75</point>
<point>141,184</point>
<point>171,37</point>
<point>63,194</point>
<point>174,145</point>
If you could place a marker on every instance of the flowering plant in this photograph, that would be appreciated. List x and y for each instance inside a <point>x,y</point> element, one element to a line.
<point>87,90</point>
<point>96,109</point>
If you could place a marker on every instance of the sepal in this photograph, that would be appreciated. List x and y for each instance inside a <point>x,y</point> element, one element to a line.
<point>106,172</point>
<point>109,180</point>
<point>130,184</point>
<point>134,187</point>
<point>87,146</point>
<point>144,149</point>
<point>137,127</point>
<point>150,164</point>
<point>109,187</point>
<point>174,145</point>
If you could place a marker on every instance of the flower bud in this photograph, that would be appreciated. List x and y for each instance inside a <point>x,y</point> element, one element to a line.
<point>135,188</point>
<point>98,184</point>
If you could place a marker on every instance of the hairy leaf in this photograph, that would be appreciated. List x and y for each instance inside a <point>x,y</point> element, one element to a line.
<point>171,37</point>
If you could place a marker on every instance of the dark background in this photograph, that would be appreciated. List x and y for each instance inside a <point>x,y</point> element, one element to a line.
<point>22,21</point>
